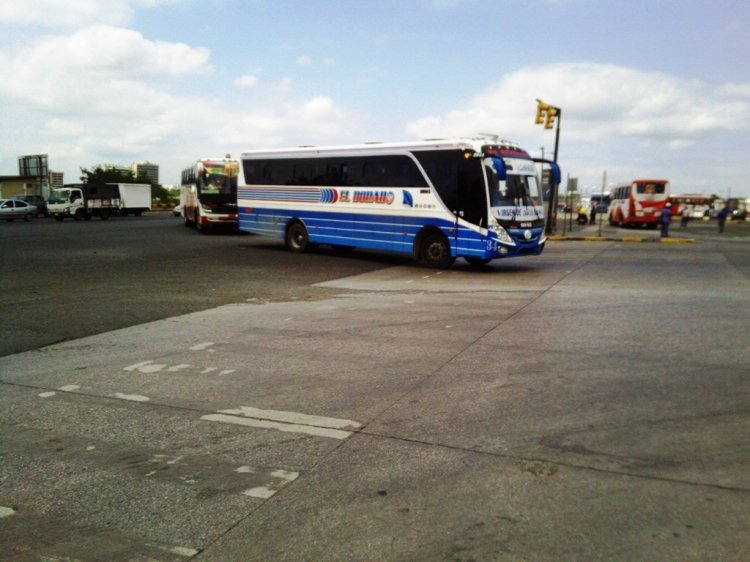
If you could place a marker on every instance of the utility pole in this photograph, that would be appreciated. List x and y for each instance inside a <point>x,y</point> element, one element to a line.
<point>601,200</point>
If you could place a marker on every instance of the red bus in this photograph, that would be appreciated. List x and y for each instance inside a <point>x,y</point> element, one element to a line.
<point>638,203</point>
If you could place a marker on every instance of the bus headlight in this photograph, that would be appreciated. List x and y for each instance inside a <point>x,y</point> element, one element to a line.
<point>502,235</point>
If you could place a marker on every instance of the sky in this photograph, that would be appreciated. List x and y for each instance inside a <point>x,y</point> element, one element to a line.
<point>647,88</point>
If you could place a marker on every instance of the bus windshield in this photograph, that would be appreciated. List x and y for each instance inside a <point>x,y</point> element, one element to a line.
<point>217,184</point>
<point>218,178</point>
<point>650,188</point>
<point>516,190</point>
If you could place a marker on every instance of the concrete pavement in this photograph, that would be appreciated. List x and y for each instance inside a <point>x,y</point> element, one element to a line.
<point>591,404</point>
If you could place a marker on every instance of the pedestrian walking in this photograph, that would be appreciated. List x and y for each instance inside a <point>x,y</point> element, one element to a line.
<point>664,219</point>
<point>684,217</point>
<point>592,219</point>
<point>721,217</point>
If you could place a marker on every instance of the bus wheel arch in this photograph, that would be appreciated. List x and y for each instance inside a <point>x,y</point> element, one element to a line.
<point>199,226</point>
<point>433,248</point>
<point>296,237</point>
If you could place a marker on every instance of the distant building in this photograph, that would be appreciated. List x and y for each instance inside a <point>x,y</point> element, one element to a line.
<point>148,169</point>
<point>33,166</point>
<point>56,180</point>
<point>20,185</point>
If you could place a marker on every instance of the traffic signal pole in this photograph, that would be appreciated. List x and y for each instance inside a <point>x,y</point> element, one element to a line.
<point>547,114</point>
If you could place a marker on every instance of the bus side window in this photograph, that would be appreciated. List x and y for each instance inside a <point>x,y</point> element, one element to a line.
<point>333,175</point>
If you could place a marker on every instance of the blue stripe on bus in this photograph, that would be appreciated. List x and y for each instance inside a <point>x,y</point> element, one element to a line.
<point>295,194</point>
<point>392,233</point>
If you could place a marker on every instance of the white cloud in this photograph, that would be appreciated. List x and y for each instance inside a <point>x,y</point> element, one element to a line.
<point>108,94</point>
<point>598,101</point>
<point>304,60</point>
<point>628,122</point>
<point>290,121</point>
<point>246,81</point>
<point>95,70</point>
<point>71,13</point>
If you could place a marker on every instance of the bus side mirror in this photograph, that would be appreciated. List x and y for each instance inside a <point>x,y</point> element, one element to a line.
<point>500,170</point>
<point>556,173</point>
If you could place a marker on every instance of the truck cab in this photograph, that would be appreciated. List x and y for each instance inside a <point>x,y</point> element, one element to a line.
<point>66,202</point>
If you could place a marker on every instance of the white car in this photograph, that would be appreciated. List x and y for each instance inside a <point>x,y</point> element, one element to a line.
<point>177,211</point>
<point>10,210</point>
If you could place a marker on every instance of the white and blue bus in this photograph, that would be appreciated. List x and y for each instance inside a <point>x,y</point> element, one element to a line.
<point>437,200</point>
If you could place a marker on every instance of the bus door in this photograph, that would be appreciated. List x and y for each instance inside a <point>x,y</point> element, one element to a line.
<point>472,203</point>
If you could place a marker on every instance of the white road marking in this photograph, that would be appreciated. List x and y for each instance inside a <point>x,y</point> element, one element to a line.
<point>286,427</point>
<point>287,475</point>
<point>202,346</point>
<point>69,388</point>
<point>47,394</point>
<point>145,367</point>
<point>149,367</point>
<point>183,551</point>
<point>265,492</point>
<point>6,511</point>
<point>260,492</point>
<point>292,417</point>
<point>131,397</point>
<point>244,469</point>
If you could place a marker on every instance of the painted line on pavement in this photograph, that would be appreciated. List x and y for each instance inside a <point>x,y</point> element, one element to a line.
<point>286,427</point>
<point>292,417</point>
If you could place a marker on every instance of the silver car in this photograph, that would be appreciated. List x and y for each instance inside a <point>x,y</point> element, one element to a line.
<point>11,209</point>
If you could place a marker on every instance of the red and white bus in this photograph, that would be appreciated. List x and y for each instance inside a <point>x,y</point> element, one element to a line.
<point>208,193</point>
<point>638,202</point>
<point>696,206</point>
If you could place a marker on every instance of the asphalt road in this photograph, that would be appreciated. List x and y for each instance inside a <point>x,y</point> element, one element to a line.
<point>60,281</point>
<point>589,404</point>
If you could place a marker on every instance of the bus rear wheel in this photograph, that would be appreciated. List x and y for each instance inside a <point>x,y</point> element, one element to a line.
<point>297,240</point>
<point>436,252</point>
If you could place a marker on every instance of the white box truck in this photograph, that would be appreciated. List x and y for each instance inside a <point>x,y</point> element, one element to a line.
<point>83,201</point>
<point>135,198</point>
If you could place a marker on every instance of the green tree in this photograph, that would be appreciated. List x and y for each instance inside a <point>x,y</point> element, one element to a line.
<point>99,175</point>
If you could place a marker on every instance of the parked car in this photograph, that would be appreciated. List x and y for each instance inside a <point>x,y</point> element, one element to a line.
<point>36,200</point>
<point>11,210</point>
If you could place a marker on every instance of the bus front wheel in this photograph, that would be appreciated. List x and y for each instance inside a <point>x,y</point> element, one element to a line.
<point>297,239</point>
<point>436,252</point>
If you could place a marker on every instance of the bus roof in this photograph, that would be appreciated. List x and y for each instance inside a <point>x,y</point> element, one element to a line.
<point>476,144</point>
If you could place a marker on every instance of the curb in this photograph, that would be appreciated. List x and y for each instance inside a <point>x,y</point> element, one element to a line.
<point>678,240</point>
<point>631,239</point>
